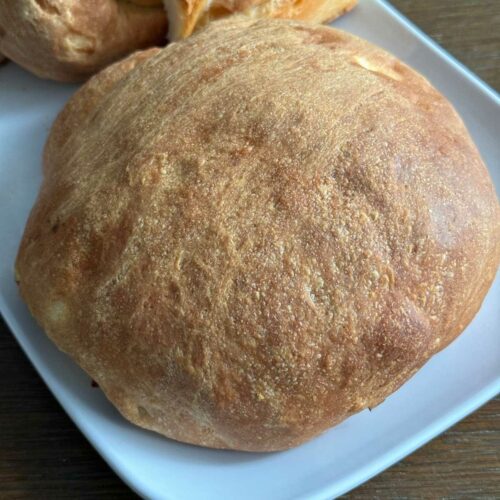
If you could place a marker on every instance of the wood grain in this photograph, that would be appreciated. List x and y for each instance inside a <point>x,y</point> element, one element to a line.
<point>462,463</point>
<point>43,455</point>
<point>468,29</point>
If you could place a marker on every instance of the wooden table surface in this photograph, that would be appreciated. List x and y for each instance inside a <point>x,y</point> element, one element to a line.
<point>43,455</point>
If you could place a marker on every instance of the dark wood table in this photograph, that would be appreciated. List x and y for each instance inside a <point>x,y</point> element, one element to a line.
<point>43,455</point>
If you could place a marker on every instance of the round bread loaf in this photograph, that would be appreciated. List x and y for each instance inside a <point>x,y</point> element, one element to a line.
<point>68,40</point>
<point>252,234</point>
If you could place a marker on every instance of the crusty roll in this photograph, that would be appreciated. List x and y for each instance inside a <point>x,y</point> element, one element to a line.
<point>245,264</point>
<point>68,40</point>
<point>185,16</point>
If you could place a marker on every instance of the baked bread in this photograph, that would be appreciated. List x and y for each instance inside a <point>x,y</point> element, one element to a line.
<point>68,40</point>
<point>248,263</point>
<point>186,16</point>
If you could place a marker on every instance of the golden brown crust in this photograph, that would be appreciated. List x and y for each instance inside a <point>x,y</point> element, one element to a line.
<point>244,265</point>
<point>186,16</point>
<point>68,40</point>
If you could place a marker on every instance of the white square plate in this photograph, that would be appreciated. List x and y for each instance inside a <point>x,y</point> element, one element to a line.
<point>451,385</point>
